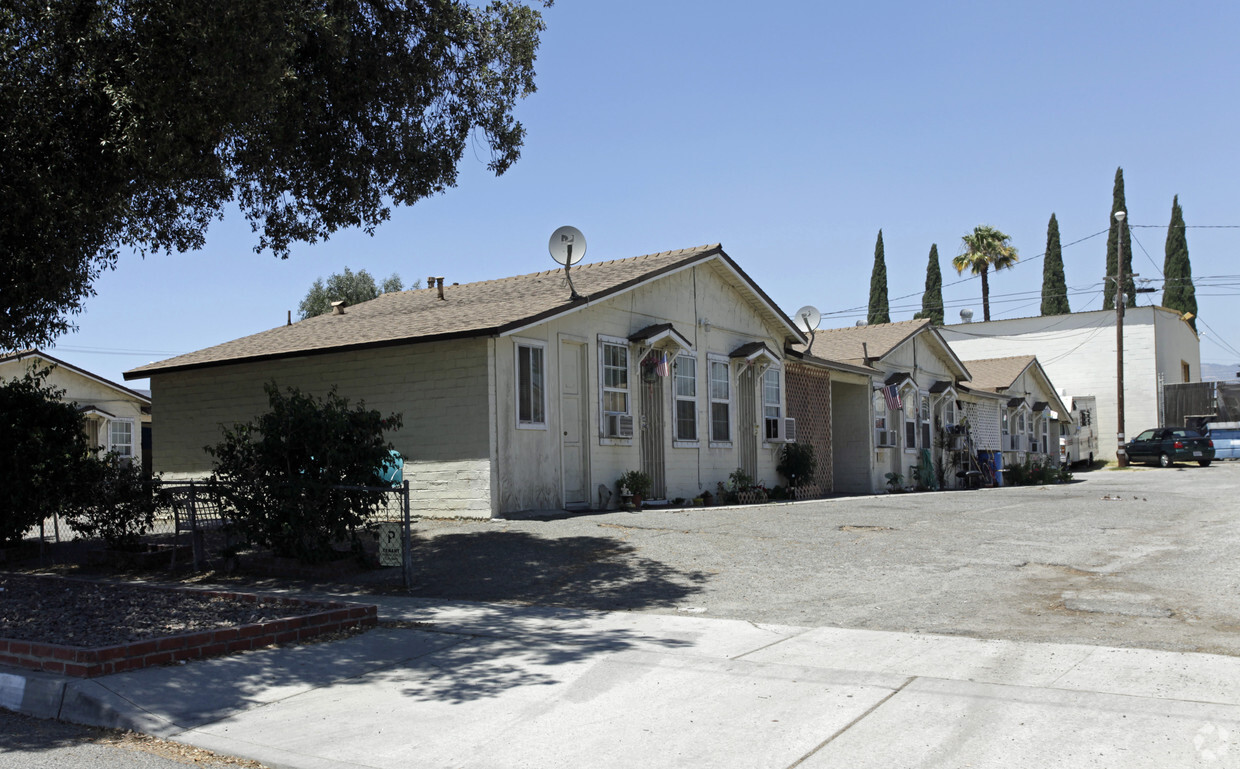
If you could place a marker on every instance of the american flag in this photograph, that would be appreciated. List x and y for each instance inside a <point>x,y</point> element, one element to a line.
<point>662,369</point>
<point>892,395</point>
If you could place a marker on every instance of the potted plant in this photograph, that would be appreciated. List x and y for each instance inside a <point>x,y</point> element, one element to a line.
<point>634,485</point>
<point>895,482</point>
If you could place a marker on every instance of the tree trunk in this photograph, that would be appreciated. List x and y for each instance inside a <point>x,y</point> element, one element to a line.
<point>985,297</point>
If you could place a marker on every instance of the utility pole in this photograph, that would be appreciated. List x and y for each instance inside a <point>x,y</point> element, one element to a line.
<point>1121,456</point>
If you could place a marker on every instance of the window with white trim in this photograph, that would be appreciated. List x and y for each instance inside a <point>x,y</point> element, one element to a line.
<point>684,380</point>
<point>910,424</point>
<point>614,385</point>
<point>923,418</point>
<point>1046,433</point>
<point>880,421</point>
<point>720,401</point>
<point>120,437</point>
<point>949,411</point>
<point>772,410</point>
<point>531,384</point>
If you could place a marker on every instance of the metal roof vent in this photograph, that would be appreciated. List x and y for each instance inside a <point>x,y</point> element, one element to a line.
<point>966,315</point>
<point>862,323</point>
<point>338,307</point>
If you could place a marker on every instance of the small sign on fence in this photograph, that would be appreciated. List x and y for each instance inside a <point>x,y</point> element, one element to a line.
<point>390,544</point>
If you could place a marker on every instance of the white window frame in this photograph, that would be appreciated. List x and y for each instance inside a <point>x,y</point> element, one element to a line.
<point>925,421</point>
<point>1046,434</point>
<point>910,406</point>
<point>713,360</point>
<point>131,452</point>
<point>679,441</point>
<point>533,423</point>
<point>880,420</point>
<point>603,343</point>
<point>778,419</point>
<point>949,411</point>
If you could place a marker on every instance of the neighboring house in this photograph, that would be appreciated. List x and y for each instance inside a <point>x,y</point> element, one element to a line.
<point>115,415</point>
<point>905,380</point>
<point>1029,409</point>
<point>517,396</point>
<point>1077,352</point>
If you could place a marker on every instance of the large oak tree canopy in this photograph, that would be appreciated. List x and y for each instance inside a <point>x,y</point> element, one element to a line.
<point>134,123</point>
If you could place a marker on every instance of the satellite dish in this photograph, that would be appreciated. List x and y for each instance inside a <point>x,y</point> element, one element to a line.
<point>567,246</point>
<point>807,318</point>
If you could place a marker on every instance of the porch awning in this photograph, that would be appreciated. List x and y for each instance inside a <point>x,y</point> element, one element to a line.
<point>90,410</point>
<point>651,336</point>
<point>753,352</point>
<point>1016,403</point>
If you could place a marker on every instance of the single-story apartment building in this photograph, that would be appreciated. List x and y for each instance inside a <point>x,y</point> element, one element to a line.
<point>114,414</point>
<point>518,394</point>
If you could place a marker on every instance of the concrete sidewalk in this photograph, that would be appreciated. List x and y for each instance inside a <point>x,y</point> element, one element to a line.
<point>484,685</point>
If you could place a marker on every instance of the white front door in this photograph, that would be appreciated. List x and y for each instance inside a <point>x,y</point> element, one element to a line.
<point>573,410</point>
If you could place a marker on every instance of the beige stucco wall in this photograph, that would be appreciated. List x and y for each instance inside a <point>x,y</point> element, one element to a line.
<point>693,300</point>
<point>85,391</point>
<point>1078,353</point>
<point>441,390</point>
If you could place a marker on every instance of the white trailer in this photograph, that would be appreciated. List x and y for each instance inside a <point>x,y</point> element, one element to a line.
<point>1078,435</point>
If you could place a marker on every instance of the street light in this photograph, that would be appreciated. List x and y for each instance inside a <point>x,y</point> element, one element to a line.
<point>1121,456</point>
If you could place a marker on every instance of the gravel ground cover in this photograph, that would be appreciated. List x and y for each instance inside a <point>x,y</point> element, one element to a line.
<point>80,613</point>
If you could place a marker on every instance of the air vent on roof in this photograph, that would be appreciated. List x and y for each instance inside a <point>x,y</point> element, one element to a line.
<point>966,315</point>
<point>338,307</point>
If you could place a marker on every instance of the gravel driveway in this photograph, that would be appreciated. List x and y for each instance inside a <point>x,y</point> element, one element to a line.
<point>1141,557</point>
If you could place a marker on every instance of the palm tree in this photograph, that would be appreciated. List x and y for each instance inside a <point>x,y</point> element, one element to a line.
<point>981,250</point>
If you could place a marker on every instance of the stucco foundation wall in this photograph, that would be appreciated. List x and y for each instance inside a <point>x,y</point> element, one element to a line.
<point>440,389</point>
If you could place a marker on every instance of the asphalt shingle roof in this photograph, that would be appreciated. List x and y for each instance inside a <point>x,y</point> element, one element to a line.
<point>471,309</point>
<point>997,374</point>
<point>845,344</point>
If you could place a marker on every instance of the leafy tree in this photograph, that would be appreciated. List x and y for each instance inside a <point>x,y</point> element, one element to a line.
<point>879,312</point>
<point>293,479</point>
<point>1178,291</point>
<point>981,250</point>
<point>932,299</point>
<point>135,125</point>
<point>1054,286</point>
<point>347,286</point>
<point>1115,237</point>
<point>44,448</point>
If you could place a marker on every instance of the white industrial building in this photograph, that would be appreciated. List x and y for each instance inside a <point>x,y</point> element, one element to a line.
<point>1078,353</point>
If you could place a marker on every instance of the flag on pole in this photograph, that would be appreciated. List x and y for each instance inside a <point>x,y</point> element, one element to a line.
<point>663,369</point>
<point>891,394</point>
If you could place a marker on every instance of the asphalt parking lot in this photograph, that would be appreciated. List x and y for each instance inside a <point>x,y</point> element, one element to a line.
<point>1143,557</point>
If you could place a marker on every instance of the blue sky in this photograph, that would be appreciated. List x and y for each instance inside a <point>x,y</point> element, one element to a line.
<point>791,133</point>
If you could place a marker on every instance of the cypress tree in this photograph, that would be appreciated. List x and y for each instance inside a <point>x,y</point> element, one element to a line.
<point>1054,287</point>
<point>879,311</point>
<point>1113,240</point>
<point>932,300</point>
<point>1178,291</point>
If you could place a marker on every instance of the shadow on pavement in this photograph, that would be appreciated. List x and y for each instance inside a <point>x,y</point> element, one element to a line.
<point>584,572</point>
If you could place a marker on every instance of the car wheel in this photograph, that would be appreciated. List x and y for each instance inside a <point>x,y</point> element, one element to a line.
<point>1203,462</point>
<point>1164,460</point>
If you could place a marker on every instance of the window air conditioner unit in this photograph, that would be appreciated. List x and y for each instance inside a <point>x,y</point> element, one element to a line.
<point>790,430</point>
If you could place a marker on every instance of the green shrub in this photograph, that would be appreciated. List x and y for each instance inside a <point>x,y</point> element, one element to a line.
<point>292,479</point>
<point>637,482</point>
<point>119,504</point>
<point>797,463</point>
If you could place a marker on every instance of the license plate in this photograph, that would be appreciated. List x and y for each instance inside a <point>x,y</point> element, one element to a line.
<point>1196,453</point>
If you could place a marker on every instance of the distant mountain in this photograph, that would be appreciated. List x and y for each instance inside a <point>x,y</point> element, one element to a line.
<point>1216,372</point>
